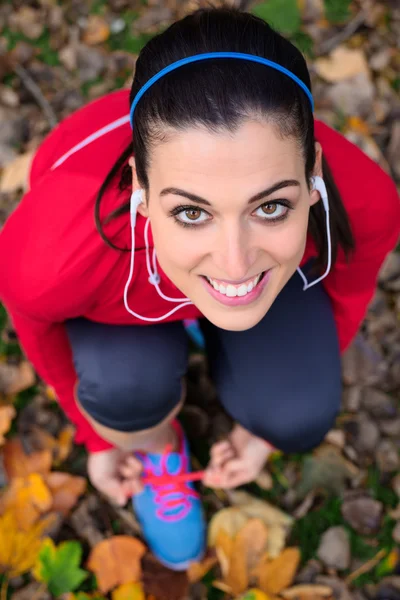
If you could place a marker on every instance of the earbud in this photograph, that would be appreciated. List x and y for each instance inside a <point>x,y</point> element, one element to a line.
<point>319,185</point>
<point>136,200</point>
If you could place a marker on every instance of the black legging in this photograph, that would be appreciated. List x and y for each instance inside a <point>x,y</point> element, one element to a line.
<point>280,379</point>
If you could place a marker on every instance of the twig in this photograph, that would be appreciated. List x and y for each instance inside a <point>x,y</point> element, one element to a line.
<point>343,35</point>
<point>370,564</point>
<point>37,94</point>
<point>4,587</point>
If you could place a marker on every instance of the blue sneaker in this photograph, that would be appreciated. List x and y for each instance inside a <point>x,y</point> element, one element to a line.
<point>171,514</point>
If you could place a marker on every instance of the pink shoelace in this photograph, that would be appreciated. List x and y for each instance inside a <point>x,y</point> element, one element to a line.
<point>165,485</point>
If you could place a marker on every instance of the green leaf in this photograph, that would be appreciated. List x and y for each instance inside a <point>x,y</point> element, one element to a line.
<point>337,11</point>
<point>59,568</point>
<point>283,15</point>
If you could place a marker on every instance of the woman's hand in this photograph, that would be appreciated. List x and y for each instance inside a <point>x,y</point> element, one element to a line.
<point>116,473</point>
<point>237,460</point>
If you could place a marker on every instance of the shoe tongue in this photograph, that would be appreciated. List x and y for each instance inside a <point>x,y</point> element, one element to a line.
<point>171,463</point>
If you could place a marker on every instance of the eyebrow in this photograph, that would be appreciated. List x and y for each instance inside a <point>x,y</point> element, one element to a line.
<point>274,188</point>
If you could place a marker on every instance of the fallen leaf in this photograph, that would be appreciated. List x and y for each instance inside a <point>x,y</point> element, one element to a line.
<point>65,443</point>
<point>342,63</point>
<point>278,523</point>
<point>277,574</point>
<point>15,174</point>
<point>19,464</point>
<point>229,519</point>
<point>162,583</point>
<point>28,498</point>
<point>307,592</point>
<point>16,378</point>
<point>122,555</point>
<point>18,549</point>
<point>128,591</point>
<point>248,547</point>
<point>197,570</point>
<point>97,30</point>
<point>59,567</point>
<point>7,413</point>
<point>65,490</point>
<point>255,594</point>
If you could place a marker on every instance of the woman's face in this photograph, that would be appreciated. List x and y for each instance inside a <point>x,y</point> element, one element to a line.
<point>229,216</point>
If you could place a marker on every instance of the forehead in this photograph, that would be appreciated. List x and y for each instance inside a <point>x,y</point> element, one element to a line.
<point>254,150</point>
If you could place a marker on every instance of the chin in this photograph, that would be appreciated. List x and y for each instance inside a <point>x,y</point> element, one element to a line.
<point>235,320</point>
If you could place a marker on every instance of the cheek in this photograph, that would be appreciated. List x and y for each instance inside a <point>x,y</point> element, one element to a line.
<point>285,243</point>
<point>176,247</point>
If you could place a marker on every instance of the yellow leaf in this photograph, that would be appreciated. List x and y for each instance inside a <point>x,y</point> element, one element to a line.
<point>197,570</point>
<point>128,591</point>
<point>255,594</point>
<point>28,498</point>
<point>278,574</point>
<point>7,413</point>
<point>248,546</point>
<point>122,555</point>
<point>36,571</point>
<point>18,549</point>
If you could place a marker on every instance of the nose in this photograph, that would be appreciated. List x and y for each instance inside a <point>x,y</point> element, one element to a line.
<point>233,256</point>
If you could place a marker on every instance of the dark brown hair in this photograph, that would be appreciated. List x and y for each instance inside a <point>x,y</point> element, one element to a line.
<point>218,95</point>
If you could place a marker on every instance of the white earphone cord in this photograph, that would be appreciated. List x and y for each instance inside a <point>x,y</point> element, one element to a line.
<point>154,277</point>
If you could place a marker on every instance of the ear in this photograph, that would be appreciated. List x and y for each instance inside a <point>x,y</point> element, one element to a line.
<point>142,208</point>
<point>314,194</point>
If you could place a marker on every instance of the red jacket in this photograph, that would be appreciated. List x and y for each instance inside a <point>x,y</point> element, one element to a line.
<point>54,265</point>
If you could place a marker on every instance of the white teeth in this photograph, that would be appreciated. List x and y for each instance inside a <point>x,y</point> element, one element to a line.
<point>231,290</point>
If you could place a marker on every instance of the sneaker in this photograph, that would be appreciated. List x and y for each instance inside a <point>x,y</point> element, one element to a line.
<point>170,513</point>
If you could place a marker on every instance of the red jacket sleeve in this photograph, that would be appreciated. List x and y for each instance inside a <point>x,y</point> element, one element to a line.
<point>373,205</point>
<point>42,285</point>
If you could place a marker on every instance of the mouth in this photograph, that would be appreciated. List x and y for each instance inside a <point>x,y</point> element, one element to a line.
<point>230,290</point>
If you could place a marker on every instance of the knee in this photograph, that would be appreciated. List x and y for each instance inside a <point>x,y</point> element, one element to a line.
<point>301,430</point>
<point>129,402</point>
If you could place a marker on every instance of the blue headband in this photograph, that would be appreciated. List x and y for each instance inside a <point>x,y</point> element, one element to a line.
<point>198,57</point>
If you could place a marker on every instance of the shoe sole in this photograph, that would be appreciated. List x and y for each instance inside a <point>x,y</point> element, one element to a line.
<point>183,566</point>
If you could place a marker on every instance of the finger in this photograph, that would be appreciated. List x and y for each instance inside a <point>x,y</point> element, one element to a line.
<point>132,487</point>
<point>115,492</point>
<point>128,471</point>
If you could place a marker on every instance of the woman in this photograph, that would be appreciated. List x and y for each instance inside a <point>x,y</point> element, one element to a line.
<point>240,211</point>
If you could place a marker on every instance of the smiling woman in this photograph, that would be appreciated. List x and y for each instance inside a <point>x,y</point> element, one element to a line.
<point>216,196</point>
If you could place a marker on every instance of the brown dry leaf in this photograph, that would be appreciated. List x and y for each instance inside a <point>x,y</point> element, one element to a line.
<point>277,574</point>
<point>342,63</point>
<point>16,378</point>
<point>161,583</point>
<point>15,174</point>
<point>197,570</point>
<point>7,413</point>
<point>97,30</point>
<point>122,555</point>
<point>231,520</point>
<point>307,592</point>
<point>65,490</point>
<point>60,447</point>
<point>19,464</point>
<point>28,498</point>
<point>129,591</point>
<point>248,547</point>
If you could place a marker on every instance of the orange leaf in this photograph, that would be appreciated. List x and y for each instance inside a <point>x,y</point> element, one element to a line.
<point>122,555</point>
<point>7,413</point>
<point>19,464</point>
<point>65,490</point>
<point>248,546</point>
<point>97,30</point>
<point>65,441</point>
<point>277,574</point>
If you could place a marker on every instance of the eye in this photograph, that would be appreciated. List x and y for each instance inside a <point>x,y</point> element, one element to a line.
<point>272,211</point>
<point>190,215</point>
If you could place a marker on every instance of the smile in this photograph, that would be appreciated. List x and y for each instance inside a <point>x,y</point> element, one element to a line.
<point>239,294</point>
<point>230,290</point>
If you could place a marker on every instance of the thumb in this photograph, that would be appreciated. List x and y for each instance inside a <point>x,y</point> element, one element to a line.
<point>115,491</point>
